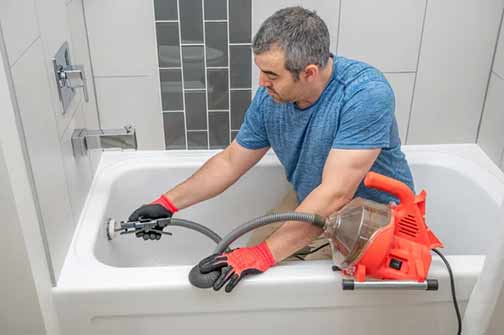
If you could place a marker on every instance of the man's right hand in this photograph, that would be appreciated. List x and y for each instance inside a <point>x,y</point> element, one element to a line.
<point>161,208</point>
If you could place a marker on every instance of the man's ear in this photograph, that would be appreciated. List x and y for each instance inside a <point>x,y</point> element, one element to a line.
<point>310,72</point>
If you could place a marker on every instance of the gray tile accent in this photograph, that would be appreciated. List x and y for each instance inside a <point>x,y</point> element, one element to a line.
<point>174,130</point>
<point>197,140</point>
<point>171,89</point>
<point>218,94</point>
<point>194,67</point>
<point>191,18</point>
<point>215,9</point>
<point>241,66</point>
<point>216,43</point>
<point>233,134</point>
<point>168,44</point>
<point>240,101</point>
<point>240,21</point>
<point>219,129</point>
<point>196,110</point>
<point>165,9</point>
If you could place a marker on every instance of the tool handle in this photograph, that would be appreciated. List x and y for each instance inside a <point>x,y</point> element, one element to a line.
<point>427,285</point>
<point>389,185</point>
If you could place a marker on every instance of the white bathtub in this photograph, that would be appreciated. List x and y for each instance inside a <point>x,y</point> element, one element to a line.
<point>131,286</point>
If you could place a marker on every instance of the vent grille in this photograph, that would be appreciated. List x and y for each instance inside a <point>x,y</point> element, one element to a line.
<point>408,226</point>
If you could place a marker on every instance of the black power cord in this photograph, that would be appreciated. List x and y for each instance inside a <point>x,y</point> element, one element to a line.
<point>301,255</point>
<point>452,283</point>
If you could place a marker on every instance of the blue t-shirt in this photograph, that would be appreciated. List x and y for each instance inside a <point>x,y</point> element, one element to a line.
<point>355,111</point>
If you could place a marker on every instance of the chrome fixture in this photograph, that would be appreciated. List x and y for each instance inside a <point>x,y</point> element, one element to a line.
<point>85,139</point>
<point>68,77</point>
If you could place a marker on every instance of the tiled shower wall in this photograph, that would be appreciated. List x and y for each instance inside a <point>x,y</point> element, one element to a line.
<point>437,56</point>
<point>204,56</point>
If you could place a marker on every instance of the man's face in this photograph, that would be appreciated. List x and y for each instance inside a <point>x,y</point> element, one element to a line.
<point>276,78</point>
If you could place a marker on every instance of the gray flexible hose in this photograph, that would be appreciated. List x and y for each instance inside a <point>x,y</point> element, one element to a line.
<point>265,220</point>
<point>197,227</point>
<point>206,280</point>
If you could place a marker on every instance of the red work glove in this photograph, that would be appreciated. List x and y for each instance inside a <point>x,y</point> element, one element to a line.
<point>237,264</point>
<point>160,208</point>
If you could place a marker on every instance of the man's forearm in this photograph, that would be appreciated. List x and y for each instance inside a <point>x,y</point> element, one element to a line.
<point>215,176</point>
<point>294,235</point>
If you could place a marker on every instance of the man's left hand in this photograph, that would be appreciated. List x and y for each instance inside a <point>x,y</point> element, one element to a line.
<point>237,264</point>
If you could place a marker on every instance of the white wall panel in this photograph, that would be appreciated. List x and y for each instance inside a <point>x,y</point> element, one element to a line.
<point>18,292</point>
<point>499,55</point>
<point>122,37</point>
<point>491,133</point>
<point>80,53</point>
<point>33,96</point>
<point>385,34</point>
<point>133,101</point>
<point>455,59</point>
<point>18,37</point>
<point>77,168</point>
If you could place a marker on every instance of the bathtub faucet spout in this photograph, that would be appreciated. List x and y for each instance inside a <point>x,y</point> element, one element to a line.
<point>86,139</point>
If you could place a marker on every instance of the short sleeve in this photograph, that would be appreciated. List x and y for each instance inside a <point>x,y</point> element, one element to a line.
<point>367,117</point>
<point>252,134</point>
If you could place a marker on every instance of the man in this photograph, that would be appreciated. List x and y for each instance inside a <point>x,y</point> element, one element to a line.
<point>329,120</point>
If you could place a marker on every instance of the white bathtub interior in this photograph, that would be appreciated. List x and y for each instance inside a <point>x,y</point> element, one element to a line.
<point>459,210</point>
<point>252,196</point>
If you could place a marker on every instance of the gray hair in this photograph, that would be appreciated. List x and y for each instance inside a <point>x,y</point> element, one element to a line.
<point>300,33</point>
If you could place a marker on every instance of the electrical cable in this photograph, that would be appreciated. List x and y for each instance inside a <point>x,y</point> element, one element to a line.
<point>452,283</point>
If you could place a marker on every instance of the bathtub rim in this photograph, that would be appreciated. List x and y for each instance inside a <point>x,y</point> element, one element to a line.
<point>80,258</point>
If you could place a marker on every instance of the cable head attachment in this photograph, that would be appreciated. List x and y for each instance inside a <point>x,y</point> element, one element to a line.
<point>148,229</point>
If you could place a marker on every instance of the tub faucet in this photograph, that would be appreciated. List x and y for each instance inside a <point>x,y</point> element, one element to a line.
<point>86,139</point>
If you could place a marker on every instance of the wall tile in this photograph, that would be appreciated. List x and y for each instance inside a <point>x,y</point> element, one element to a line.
<point>240,101</point>
<point>491,134</point>
<point>174,130</point>
<point>216,44</point>
<point>44,149</point>
<point>196,110</point>
<point>168,44</point>
<point>191,17</point>
<point>369,32</point>
<point>118,47</point>
<point>215,9</point>
<point>452,78</point>
<point>499,56</point>
<point>218,95</point>
<point>240,24</point>
<point>402,84</point>
<point>18,37</point>
<point>135,101</point>
<point>197,140</point>
<point>77,168</point>
<point>54,33</point>
<point>18,291</point>
<point>219,129</point>
<point>171,89</point>
<point>194,67</point>
<point>241,66</point>
<point>80,55</point>
<point>166,9</point>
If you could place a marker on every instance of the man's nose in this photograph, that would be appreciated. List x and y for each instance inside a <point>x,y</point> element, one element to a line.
<point>263,80</point>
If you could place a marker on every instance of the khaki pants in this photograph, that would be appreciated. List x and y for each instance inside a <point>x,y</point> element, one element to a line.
<point>288,204</point>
